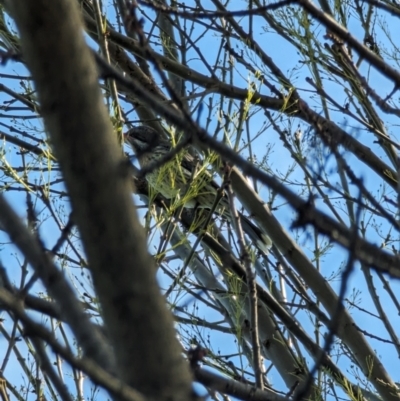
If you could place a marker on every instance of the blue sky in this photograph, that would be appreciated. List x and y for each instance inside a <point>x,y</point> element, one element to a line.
<point>279,160</point>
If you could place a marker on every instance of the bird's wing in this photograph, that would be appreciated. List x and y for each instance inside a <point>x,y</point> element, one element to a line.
<point>188,162</point>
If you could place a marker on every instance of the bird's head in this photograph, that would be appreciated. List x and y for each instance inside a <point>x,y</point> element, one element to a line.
<point>142,138</point>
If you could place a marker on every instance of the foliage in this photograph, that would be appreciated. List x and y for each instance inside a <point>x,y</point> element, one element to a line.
<point>293,108</point>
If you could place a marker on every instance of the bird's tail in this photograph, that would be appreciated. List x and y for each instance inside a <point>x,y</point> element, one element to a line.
<point>262,241</point>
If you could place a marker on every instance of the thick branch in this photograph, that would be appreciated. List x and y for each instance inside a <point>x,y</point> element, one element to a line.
<point>140,327</point>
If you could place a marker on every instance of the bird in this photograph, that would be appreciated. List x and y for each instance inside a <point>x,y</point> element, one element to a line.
<point>183,178</point>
